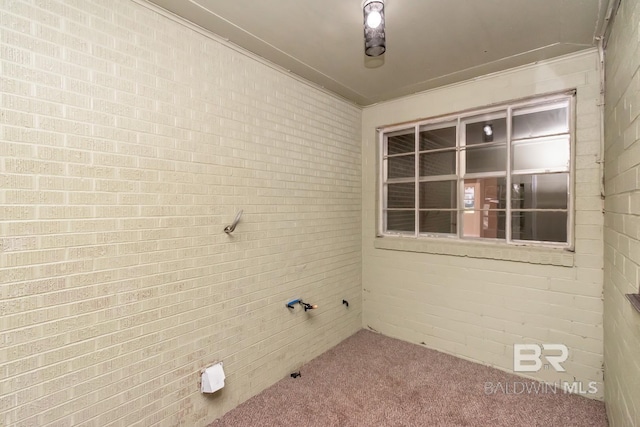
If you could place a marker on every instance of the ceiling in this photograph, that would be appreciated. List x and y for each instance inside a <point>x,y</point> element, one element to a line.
<point>430,43</point>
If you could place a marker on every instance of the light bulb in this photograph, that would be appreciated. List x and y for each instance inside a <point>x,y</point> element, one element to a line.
<point>374,19</point>
<point>488,130</point>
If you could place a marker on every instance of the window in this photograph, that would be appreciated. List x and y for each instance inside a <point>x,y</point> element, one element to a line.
<point>500,174</point>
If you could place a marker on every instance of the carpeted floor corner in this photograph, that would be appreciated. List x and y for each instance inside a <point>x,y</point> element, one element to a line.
<point>373,380</point>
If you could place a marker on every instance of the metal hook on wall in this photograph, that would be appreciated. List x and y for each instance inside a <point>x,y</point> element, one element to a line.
<point>230,228</point>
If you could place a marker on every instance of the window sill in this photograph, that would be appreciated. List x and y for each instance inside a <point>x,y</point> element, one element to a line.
<point>490,250</point>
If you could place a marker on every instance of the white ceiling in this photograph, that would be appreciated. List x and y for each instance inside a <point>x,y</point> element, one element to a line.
<point>430,43</point>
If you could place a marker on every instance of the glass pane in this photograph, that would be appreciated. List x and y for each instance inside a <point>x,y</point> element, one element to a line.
<point>438,222</point>
<point>482,131</point>
<point>485,193</point>
<point>488,224</point>
<point>401,167</point>
<point>527,124</point>
<point>437,138</point>
<point>541,154</point>
<point>486,159</point>
<point>438,195</point>
<point>401,195</point>
<point>401,142</point>
<point>542,226</point>
<point>439,163</point>
<point>540,191</point>
<point>401,221</point>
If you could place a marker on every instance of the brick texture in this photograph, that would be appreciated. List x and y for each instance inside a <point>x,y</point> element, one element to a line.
<point>129,140</point>
<point>622,217</point>
<point>477,301</point>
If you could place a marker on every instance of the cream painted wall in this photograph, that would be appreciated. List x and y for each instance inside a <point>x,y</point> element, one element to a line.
<point>476,301</point>
<point>129,141</point>
<point>622,220</point>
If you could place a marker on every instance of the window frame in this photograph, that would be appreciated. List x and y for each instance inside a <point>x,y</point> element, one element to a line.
<point>458,119</point>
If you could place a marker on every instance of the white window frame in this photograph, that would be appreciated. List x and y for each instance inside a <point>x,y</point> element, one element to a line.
<point>459,118</point>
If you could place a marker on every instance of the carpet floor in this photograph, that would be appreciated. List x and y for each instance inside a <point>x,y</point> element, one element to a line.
<point>373,380</point>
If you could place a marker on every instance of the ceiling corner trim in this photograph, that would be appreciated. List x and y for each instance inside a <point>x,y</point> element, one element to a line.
<point>292,67</point>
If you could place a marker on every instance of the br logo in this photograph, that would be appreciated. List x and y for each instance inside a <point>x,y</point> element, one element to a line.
<point>528,357</point>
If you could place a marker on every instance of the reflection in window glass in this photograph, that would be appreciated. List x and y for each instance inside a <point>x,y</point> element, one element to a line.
<point>470,197</point>
<point>438,195</point>
<point>488,224</point>
<point>542,226</point>
<point>547,191</point>
<point>438,222</point>
<point>493,130</point>
<point>401,195</point>
<point>401,166</point>
<point>488,193</point>
<point>401,221</point>
<point>438,163</point>
<point>401,142</point>
<point>541,154</point>
<point>486,159</point>
<point>433,139</point>
<point>468,175</point>
<point>539,123</point>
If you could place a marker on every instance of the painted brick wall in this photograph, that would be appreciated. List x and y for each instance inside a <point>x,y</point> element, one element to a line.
<point>476,301</point>
<point>622,217</point>
<point>129,141</point>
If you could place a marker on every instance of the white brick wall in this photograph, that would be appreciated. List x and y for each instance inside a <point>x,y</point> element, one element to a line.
<point>622,234</point>
<point>475,302</point>
<point>129,141</point>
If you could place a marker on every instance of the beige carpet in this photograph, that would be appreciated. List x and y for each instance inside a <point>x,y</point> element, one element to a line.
<point>373,380</point>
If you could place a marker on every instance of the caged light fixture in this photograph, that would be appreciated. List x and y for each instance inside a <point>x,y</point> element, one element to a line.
<point>374,37</point>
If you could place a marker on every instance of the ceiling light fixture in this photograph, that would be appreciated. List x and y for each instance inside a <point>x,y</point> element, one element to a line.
<point>488,133</point>
<point>374,38</point>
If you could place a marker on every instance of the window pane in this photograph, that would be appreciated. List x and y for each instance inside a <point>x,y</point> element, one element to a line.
<point>531,124</point>
<point>401,195</point>
<point>448,176</point>
<point>439,163</point>
<point>485,193</point>
<point>401,167</point>
<point>401,142</point>
<point>489,224</point>
<point>438,195</point>
<point>486,159</point>
<point>401,221</point>
<point>437,138</point>
<point>438,222</point>
<point>541,154</point>
<point>543,226</point>
<point>482,131</point>
<point>540,191</point>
